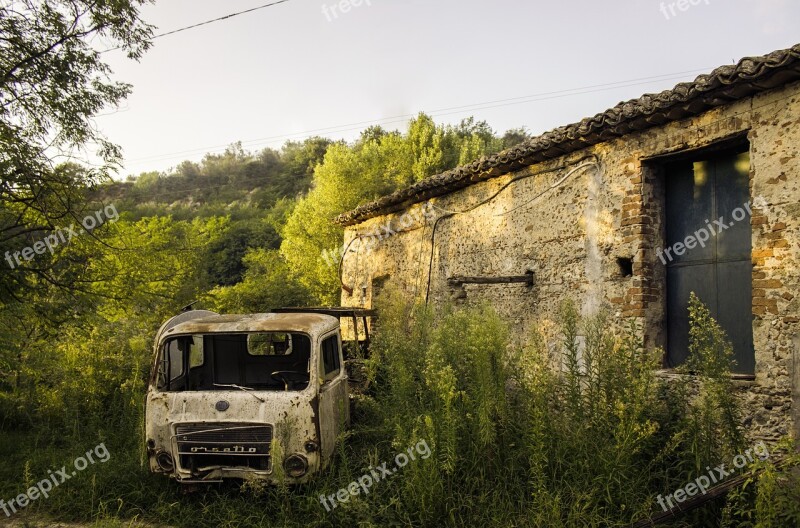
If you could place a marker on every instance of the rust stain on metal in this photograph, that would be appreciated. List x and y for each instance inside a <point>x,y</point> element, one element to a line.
<point>194,439</point>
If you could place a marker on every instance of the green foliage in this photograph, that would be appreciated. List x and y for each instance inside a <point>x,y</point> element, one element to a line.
<point>55,79</point>
<point>76,372</point>
<point>770,498</point>
<point>377,164</point>
<point>254,191</point>
<point>710,358</point>
<point>572,429</point>
<point>234,179</point>
<point>53,82</point>
<point>704,412</point>
<point>594,421</point>
<point>268,283</point>
<point>226,263</point>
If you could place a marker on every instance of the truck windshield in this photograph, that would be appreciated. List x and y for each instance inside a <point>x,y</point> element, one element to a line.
<point>271,361</point>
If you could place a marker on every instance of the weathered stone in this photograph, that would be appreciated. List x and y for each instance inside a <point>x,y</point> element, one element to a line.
<point>595,238</point>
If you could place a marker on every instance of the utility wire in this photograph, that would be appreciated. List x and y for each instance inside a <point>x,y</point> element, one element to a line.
<point>434,113</point>
<point>205,23</point>
<point>226,17</point>
<point>395,119</point>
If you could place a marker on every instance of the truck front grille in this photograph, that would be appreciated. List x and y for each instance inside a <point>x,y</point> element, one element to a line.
<point>224,445</point>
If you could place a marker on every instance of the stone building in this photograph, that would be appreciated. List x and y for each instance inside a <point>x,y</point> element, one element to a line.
<point>692,189</point>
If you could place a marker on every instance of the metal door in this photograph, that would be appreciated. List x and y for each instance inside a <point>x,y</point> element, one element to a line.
<point>334,404</point>
<point>713,196</point>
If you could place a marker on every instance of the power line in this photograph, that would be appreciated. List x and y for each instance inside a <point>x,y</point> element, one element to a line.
<point>205,23</point>
<point>259,178</point>
<point>434,113</point>
<point>394,119</point>
<point>226,17</point>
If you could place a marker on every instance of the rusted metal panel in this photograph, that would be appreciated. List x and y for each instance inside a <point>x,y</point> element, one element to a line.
<point>210,425</point>
<point>295,322</point>
<point>459,280</point>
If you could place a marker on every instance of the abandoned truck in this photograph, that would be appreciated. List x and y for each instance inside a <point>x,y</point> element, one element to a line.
<point>230,396</point>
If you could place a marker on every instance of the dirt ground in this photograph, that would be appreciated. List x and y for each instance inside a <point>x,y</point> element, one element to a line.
<point>38,522</point>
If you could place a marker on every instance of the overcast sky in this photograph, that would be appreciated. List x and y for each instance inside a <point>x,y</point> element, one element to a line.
<point>291,70</point>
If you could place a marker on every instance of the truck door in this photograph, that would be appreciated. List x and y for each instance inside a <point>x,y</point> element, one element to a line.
<point>334,406</point>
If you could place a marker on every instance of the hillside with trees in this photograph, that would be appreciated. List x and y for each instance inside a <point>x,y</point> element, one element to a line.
<point>93,266</point>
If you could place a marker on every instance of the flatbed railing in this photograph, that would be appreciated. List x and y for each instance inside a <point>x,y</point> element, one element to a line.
<point>342,312</point>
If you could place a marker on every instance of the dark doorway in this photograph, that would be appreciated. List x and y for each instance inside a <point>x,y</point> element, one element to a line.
<point>710,197</point>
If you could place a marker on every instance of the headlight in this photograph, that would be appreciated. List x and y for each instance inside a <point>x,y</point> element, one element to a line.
<point>296,466</point>
<point>165,461</point>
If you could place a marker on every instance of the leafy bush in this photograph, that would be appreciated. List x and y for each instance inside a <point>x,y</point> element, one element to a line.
<point>573,430</point>
<point>576,428</point>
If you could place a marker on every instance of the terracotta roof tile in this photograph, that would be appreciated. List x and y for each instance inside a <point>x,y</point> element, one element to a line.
<point>722,86</point>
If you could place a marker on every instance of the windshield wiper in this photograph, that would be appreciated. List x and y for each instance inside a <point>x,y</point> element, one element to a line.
<point>245,389</point>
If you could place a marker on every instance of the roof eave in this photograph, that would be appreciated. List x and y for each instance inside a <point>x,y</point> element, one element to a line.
<point>725,85</point>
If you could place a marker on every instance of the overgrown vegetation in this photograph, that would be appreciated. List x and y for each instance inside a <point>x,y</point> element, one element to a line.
<point>573,429</point>
<point>379,163</point>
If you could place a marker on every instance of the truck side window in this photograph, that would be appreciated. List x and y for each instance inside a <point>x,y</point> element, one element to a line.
<point>196,356</point>
<point>175,358</point>
<point>172,371</point>
<point>331,358</point>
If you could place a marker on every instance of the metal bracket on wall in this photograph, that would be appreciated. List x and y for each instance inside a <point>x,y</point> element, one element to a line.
<point>458,281</point>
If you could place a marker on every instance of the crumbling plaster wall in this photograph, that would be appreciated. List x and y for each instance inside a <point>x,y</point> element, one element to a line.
<point>574,232</point>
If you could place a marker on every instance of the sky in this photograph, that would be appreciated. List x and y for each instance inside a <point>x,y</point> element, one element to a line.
<point>335,67</point>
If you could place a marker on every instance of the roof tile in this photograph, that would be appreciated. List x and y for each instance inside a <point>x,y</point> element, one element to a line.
<point>723,85</point>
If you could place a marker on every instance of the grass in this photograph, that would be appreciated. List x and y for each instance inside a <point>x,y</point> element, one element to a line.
<point>573,429</point>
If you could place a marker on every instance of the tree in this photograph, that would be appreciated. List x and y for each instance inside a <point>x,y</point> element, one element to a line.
<point>224,264</point>
<point>377,164</point>
<point>99,348</point>
<point>52,82</point>
<point>268,284</point>
<point>514,137</point>
<point>348,176</point>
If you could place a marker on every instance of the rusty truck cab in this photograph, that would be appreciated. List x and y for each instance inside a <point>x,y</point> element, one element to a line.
<point>246,396</point>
